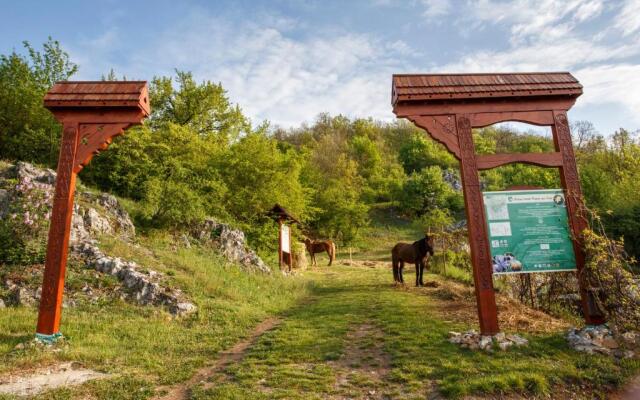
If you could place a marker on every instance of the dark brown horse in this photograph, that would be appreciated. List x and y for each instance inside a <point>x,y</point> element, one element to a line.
<point>417,253</point>
<point>318,246</point>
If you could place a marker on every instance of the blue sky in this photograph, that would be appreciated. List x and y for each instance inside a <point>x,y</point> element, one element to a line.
<point>287,61</point>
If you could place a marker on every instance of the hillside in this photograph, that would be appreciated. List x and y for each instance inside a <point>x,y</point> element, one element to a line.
<point>330,332</point>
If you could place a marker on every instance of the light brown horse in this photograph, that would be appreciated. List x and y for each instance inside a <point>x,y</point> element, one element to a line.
<point>318,246</point>
<point>417,253</point>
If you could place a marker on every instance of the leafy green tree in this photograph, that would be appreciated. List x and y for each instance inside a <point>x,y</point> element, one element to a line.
<point>419,152</point>
<point>203,107</point>
<point>28,131</point>
<point>426,190</point>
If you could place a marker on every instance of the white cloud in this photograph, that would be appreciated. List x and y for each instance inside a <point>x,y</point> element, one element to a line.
<point>546,37</point>
<point>628,20</point>
<point>611,83</point>
<point>436,8</point>
<point>540,19</point>
<point>281,69</point>
<point>274,75</point>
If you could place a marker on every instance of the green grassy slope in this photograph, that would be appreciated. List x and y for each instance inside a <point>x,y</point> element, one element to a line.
<point>145,346</point>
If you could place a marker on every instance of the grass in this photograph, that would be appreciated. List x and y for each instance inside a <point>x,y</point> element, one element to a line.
<point>298,359</point>
<point>145,346</point>
<point>314,353</point>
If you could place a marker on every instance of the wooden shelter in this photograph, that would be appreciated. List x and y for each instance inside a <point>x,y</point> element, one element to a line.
<point>449,106</point>
<point>91,113</point>
<point>280,214</point>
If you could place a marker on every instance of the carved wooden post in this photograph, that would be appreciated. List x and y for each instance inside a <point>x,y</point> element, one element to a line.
<point>92,113</point>
<point>480,254</point>
<point>58,243</point>
<point>570,180</point>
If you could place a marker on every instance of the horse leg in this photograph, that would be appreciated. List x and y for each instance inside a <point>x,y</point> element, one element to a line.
<point>421,273</point>
<point>400,268</point>
<point>394,266</point>
<point>329,255</point>
<point>417,273</point>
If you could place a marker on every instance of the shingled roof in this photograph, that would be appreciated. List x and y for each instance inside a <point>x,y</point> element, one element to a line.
<point>98,94</point>
<point>421,87</point>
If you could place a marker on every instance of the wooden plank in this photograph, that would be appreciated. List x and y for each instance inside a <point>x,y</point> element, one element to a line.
<point>548,160</point>
<point>570,180</point>
<point>478,241</point>
<point>542,118</point>
<point>486,106</point>
<point>59,232</point>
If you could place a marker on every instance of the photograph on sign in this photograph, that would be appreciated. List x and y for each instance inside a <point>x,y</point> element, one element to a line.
<point>284,239</point>
<point>529,231</point>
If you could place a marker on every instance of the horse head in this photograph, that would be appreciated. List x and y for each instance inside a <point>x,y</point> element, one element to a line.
<point>430,243</point>
<point>425,246</point>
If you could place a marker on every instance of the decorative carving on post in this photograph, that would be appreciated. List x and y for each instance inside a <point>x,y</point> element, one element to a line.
<point>92,113</point>
<point>571,183</point>
<point>480,256</point>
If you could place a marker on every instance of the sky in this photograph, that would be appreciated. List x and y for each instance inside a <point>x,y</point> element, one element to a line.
<point>287,61</point>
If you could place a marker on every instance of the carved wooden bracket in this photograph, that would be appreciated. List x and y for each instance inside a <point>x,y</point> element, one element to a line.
<point>441,128</point>
<point>94,138</point>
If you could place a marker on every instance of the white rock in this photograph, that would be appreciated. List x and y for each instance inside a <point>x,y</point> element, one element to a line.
<point>485,342</point>
<point>504,345</point>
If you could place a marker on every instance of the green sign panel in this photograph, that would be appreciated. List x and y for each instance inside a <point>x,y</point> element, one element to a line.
<point>529,231</point>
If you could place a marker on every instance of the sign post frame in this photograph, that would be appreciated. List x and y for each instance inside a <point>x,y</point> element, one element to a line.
<point>449,106</point>
<point>92,114</point>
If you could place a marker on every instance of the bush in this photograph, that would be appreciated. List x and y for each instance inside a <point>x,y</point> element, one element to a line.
<point>23,231</point>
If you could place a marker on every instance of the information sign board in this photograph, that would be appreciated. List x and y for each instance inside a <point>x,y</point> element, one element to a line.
<point>529,231</point>
<point>284,239</point>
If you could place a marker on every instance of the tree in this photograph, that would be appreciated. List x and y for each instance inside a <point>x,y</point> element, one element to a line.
<point>424,191</point>
<point>203,107</point>
<point>28,131</point>
<point>420,152</point>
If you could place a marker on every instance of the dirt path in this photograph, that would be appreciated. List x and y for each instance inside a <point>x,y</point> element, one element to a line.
<point>630,392</point>
<point>227,357</point>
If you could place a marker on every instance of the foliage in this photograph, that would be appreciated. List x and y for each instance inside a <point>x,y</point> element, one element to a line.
<point>419,152</point>
<point>23,230</point>
<point>204,107</point>
<point>28,132</point>
<point>426,191</point>
<point>608,275</point>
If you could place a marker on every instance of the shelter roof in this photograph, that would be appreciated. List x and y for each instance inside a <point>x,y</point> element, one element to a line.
<point>108,94</point>
<point>425,87</point>
<point>278,212</point>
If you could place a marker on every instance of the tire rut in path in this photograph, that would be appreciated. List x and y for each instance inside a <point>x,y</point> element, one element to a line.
<point>227,357</point>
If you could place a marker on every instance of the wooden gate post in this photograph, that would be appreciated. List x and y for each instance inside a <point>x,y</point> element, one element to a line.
<point>480,254</point>
<point>91,113</point>
<point>59,232</point>
<point>570,180</point>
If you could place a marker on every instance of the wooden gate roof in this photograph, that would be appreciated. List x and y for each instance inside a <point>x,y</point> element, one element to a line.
<point>99,94</point>
<point>424,87</point>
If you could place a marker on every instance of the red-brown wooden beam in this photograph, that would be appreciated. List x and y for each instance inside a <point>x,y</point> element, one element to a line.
<point>91,113</point>
<point>480,253</point>
<point>570,180</point>
<point>480,120</point>
<point>548,160</point>
<point>58,243</point>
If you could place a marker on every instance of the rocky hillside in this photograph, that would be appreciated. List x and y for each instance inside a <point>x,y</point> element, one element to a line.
<point>26,193</point>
